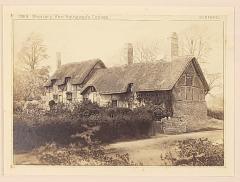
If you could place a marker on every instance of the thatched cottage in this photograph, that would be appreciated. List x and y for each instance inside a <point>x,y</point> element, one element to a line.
<point>178,84</point>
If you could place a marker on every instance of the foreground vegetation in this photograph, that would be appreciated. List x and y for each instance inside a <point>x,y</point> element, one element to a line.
<point>77,136</point>
<point>77,155</point>
<point>195,152</point>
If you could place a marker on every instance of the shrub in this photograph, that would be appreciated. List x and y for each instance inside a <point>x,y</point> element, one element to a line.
<point>18,106</point>
<point>75,154</point>
<point>197,152</point>
<point>217,114</point>
<point>31,132</point>
<point>119,123</point>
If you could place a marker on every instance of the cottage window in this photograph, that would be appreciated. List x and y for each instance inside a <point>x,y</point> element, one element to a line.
<point>189,80</point>
<point>69,95</point>
<point>92,89</point>
<point>114,103</point>
<point>55,97</point>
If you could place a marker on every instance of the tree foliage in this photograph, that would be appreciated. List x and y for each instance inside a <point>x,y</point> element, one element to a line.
<point>146,52</point>
<point>33,52</point>
<point>196,41</point>
<point>29,75</point>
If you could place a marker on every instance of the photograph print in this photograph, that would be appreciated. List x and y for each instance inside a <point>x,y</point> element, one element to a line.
<point>118,90</point>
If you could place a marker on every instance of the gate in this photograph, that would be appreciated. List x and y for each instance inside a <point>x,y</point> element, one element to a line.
<point>157,127</point>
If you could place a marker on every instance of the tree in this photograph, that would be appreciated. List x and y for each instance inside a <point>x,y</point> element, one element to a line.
<point>29,75</point>
<point>195,41</point>
<point>143,51</point>
<point>212,78</point>
<point>33,52</point>
<point>146,51</point>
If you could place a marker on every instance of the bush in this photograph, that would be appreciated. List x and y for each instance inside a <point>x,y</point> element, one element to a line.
<point>63,125</point>
<point>75,154</point>
<point>33,131</point>
<point>18,106</point>
<point>122,123</point>
<point>197,152</point>
<point>217,114</point>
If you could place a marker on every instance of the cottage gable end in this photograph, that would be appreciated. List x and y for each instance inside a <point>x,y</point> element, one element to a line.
<point>190,85</point>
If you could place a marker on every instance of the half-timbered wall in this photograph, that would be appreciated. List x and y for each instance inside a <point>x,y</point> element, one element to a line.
<point>189,95</point>
<point>189,86</point>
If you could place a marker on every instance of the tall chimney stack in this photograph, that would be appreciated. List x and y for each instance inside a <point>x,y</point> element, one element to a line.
<point>58,54</point>
<point>130,53</point>
<point>174,45</point>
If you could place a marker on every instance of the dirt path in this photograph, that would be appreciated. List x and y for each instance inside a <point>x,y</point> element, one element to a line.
<point>148,151</point>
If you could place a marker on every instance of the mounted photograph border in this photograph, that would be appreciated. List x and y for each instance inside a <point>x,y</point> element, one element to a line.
<point>227,170</point>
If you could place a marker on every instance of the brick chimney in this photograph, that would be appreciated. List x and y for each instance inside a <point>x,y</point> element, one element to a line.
<point>129,53</point>
<point>173,45</point>
<point>58,55</point>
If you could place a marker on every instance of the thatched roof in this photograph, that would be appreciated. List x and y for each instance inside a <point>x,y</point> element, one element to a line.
<point>77,71</point>
<point>144,76</point>
<point>154,76</point>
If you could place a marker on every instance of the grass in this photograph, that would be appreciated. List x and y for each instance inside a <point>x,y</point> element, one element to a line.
<point>206,125</point>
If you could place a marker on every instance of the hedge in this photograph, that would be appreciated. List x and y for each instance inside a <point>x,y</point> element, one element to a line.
<point>65,126</point>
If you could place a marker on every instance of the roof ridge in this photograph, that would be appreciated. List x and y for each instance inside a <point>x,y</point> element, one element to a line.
<point>84,61</point>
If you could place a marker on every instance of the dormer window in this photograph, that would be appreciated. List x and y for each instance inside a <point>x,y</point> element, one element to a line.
<point>67,79</point>
<point>69,95</point>
<point>69,86</point>
<point>92,89</point>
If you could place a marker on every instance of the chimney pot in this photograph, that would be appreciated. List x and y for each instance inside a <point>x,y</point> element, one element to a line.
<point>174,45</point>
<point>130,53</point>
<point>58,54</point>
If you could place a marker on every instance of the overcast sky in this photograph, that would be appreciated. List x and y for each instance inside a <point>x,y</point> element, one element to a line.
<point>87,39</point>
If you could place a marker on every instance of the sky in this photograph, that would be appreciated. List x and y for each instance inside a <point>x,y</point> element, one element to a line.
<point>79,40</point>
<point>83,40</point>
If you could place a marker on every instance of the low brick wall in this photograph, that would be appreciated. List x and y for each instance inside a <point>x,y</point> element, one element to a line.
<point>174,126</point>
<point>169,126</point>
